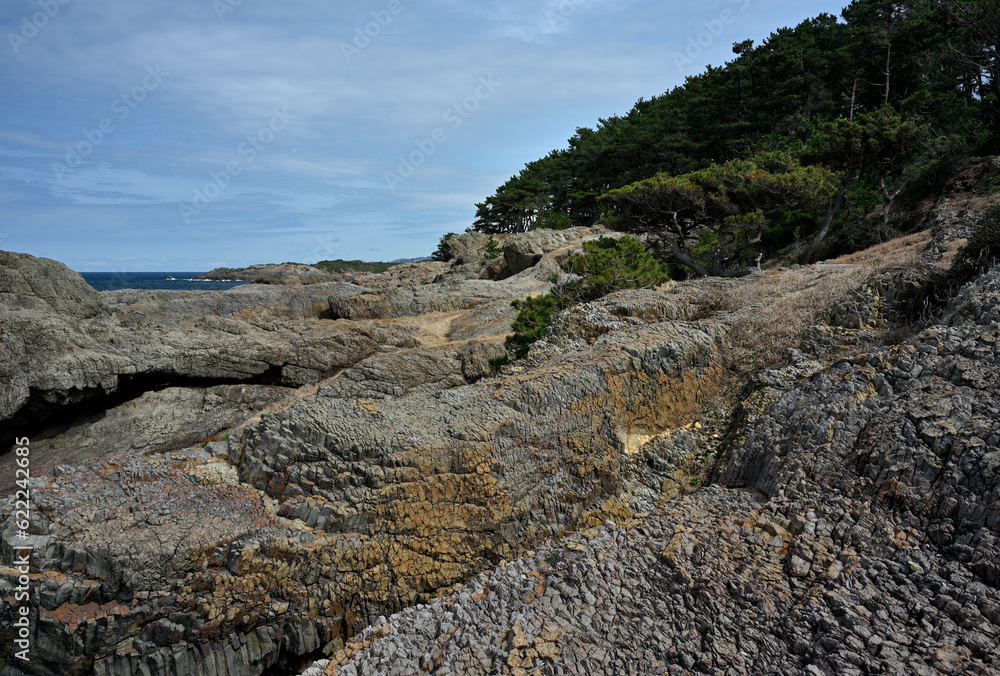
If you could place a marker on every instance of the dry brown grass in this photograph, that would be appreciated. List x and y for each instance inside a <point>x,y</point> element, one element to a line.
<point>770,313</point>
<point>900,251</point>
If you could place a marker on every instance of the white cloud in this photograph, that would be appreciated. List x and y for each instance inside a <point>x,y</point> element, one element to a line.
<point>559,64</point>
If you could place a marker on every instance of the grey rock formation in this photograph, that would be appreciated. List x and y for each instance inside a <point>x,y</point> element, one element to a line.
<point>869,543</point>
<point>40,284</point>
<point>907,297</point>
<point>525,249</point>
<point>62,344</point>
<point>155,422</point>
<point>335,510</point>
<point>270,273</point>
<point>415,300</point>
<point>547,519</point>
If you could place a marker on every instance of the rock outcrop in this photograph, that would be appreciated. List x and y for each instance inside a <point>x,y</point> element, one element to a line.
<point>855,530</point>
<point>63,346</point>
<point>410,471</point>
<point>281,273</point>
<point>347,471</point>
<point>339,510</point>
<point>156,422</point>
<point>972,187</point>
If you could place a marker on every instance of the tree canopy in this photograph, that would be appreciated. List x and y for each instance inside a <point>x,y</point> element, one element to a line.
<point>876,94</point>
<point>727,204</point>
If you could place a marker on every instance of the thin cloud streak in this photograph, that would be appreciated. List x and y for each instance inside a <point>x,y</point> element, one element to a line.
<point>560,64</point>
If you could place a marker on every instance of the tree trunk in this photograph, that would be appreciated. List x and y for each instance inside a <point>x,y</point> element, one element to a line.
<point>687,259</point>
<point>806,255</point>
<point>888,56</point>
<point>854,94</point>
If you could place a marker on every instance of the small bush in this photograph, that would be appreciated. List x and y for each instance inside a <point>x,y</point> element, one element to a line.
<point>604,266</point>
<point>441,254</point>
<point>497,363</point>
<point>493,249</point>
<point>532,320</point>
<point>610,265</point>
<point>982,251</point>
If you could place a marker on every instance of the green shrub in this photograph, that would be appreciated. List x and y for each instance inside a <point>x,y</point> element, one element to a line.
<point>532,320</point>
<point>441,253</point>
<point>604,266</point>
<point>493,249</point>
<point>497,363</point>
<point>610,265</point>
<point>983,248</point>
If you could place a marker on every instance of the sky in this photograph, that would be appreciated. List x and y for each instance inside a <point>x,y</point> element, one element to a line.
<point>184,135</point>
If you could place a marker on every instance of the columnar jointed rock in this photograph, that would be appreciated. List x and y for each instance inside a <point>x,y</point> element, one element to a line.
<point>873,546</point>
<point>343,509</point>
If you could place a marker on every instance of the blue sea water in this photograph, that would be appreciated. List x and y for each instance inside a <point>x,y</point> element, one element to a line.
<point>182,281</point>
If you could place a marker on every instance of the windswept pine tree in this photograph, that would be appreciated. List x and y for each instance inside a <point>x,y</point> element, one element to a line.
<point>878,94</point>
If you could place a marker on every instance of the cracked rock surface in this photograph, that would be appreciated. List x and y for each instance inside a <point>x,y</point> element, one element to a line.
<point>408,510</point>
<point>855,530</point>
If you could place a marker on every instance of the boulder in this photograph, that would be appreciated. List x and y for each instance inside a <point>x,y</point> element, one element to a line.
<point>40,284</point>
<point>525,249</point>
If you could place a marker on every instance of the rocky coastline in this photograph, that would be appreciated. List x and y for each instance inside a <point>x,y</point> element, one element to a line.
<point>273,273</point>
<point>339,477</point>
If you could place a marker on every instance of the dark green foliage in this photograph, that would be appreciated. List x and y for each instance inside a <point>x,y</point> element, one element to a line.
<point>532,320</point>
<point>710,217</point>
<point>441,252</point>
<point>983,248</point>
<point>340,265</point>
<point>610,265</point>
<point>552,220</point>
<point>492,249</point>
<point>917,78</point>
<point>604,266</point>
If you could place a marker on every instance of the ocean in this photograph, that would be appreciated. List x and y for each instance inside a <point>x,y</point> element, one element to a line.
<point>182,281</point>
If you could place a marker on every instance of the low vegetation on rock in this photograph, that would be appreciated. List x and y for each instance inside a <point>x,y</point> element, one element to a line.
<point>982,250</point>
<point>794,471</point>
<point>606,265</point>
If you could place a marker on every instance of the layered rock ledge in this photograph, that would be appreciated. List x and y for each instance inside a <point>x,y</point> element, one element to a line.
<point>855,530</point>
<point>338,471</point>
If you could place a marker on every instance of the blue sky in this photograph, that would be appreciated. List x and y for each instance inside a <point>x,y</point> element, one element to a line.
<point>191,134</point>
